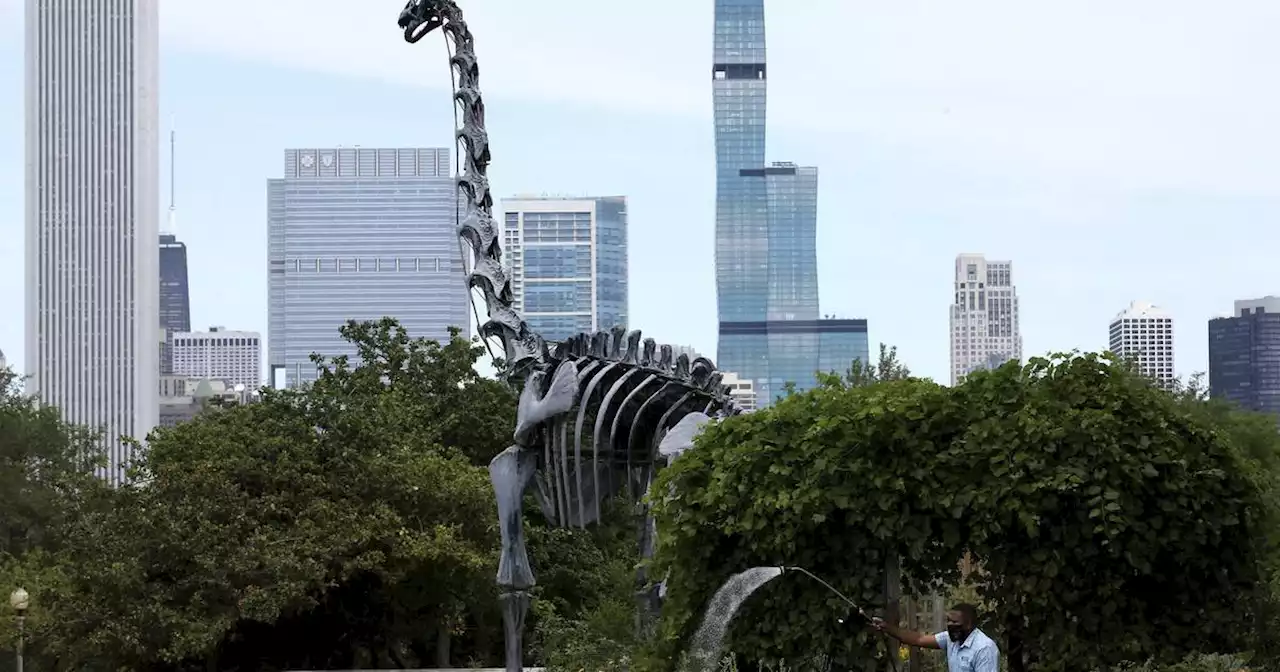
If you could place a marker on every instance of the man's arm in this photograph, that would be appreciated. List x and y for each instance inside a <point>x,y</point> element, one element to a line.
<point>908,637</point>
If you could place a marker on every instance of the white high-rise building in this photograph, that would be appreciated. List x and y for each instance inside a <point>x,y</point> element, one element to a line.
<point>743,392</point>
<point>92,214</point>
<point>1143,333</point>
<point>231,356</point>
<point>568,262</point>
<point>984,316</point>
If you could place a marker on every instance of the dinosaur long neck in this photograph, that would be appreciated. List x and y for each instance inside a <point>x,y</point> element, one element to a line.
<point>523,349</point>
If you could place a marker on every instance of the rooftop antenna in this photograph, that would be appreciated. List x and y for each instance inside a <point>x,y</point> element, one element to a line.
<point>171,226</point>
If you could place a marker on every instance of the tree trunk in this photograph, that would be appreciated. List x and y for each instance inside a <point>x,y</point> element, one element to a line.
<point>916,662</point>
<point>892,605</point>
<point>443,639</point>
<point>1014,636</point>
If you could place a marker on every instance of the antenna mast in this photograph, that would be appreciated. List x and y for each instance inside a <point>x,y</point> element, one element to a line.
<point>172,224</point>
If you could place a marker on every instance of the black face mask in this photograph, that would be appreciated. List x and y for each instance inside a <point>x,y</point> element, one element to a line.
<point>957,634</point>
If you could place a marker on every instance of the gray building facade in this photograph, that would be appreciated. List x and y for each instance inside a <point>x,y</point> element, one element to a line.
<point>358,233</point>
<point>1244,356</point>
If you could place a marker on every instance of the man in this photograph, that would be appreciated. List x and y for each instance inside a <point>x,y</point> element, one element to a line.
<point>968,649</point>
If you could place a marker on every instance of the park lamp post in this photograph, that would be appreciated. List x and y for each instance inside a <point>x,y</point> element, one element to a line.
<point>20,600</point>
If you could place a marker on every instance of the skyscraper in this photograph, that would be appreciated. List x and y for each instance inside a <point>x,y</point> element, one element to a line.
<point>92,164</point>
<point>175,299</point>
<point>358,233</point>
<point>175,296</point>
<point>1244,355</point>
<point>1143,334</point>
<point>984,316</point>
<point>568,262</point>
<point>771,332</point>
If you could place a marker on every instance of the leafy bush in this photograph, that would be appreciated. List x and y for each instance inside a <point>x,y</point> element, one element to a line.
<point>1114,523</point>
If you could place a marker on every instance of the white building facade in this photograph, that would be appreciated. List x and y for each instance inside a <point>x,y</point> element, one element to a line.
<point>1143,334</point>
<point>234,357</point>
<point>742,391</point>
<point>92,215</point>
<point>984,316</point>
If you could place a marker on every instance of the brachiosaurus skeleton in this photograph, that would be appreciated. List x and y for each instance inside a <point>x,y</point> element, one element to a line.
<point>599,414</point>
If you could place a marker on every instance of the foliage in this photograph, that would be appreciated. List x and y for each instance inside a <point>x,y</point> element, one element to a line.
<point>585,608</point>
<point>1199,662</point>
<point>46,471</point>
<point>330,526</point>
<point>1113,522</point>
<point>887,368</point>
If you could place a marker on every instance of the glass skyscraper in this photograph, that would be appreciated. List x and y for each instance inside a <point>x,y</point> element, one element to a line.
<point>568,262</point>
<point>175,297</point>
<point>359,233</point>
<point>771,331</point>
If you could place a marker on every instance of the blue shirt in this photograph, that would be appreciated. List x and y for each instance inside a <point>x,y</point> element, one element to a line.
<point>977,653</point>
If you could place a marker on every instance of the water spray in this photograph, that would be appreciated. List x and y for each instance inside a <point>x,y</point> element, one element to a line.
<point>893,662</point>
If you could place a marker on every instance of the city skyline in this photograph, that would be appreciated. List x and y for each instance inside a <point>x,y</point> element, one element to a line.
<point>933,149</point>
<point>92,340</point>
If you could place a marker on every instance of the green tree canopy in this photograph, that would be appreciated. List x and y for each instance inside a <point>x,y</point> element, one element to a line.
<point>46,471</point>
<point>1113,521</point>
<point>329,526</point>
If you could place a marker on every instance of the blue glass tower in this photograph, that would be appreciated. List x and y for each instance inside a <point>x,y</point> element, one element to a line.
<point>766,230</point>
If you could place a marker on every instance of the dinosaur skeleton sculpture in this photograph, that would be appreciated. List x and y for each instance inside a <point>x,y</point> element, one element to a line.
<point>599,414</point>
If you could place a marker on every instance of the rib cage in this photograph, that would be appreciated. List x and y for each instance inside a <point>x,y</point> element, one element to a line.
<point>630,392</point>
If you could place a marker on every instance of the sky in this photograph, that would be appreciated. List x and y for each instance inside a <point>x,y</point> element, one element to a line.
<point>1113,151</point>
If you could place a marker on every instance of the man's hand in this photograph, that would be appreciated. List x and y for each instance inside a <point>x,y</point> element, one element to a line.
<point>879,624</point>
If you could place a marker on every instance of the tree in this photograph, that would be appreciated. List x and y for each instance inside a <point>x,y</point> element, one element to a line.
<point>887,368</point>
<point>46,471</point>
<point>326,527</point>
<point>1113,522</point>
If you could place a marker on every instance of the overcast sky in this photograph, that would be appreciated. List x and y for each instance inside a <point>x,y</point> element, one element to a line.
<point>1113,151</point>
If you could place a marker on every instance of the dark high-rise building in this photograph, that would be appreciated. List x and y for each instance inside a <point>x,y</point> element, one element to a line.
<point>1244,355</point>
<point>175,297</point>
<point>771,331</point>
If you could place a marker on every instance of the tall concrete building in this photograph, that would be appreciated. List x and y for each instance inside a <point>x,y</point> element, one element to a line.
<point>568,262</point>
<point>1143,334</point>
<point>770,330</point>
<point>92,164</point>
<point>360,233</point>
<point>175,296</point>
<point>231,356</point>
<point>1244,355</point>
<point>984,316</point>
